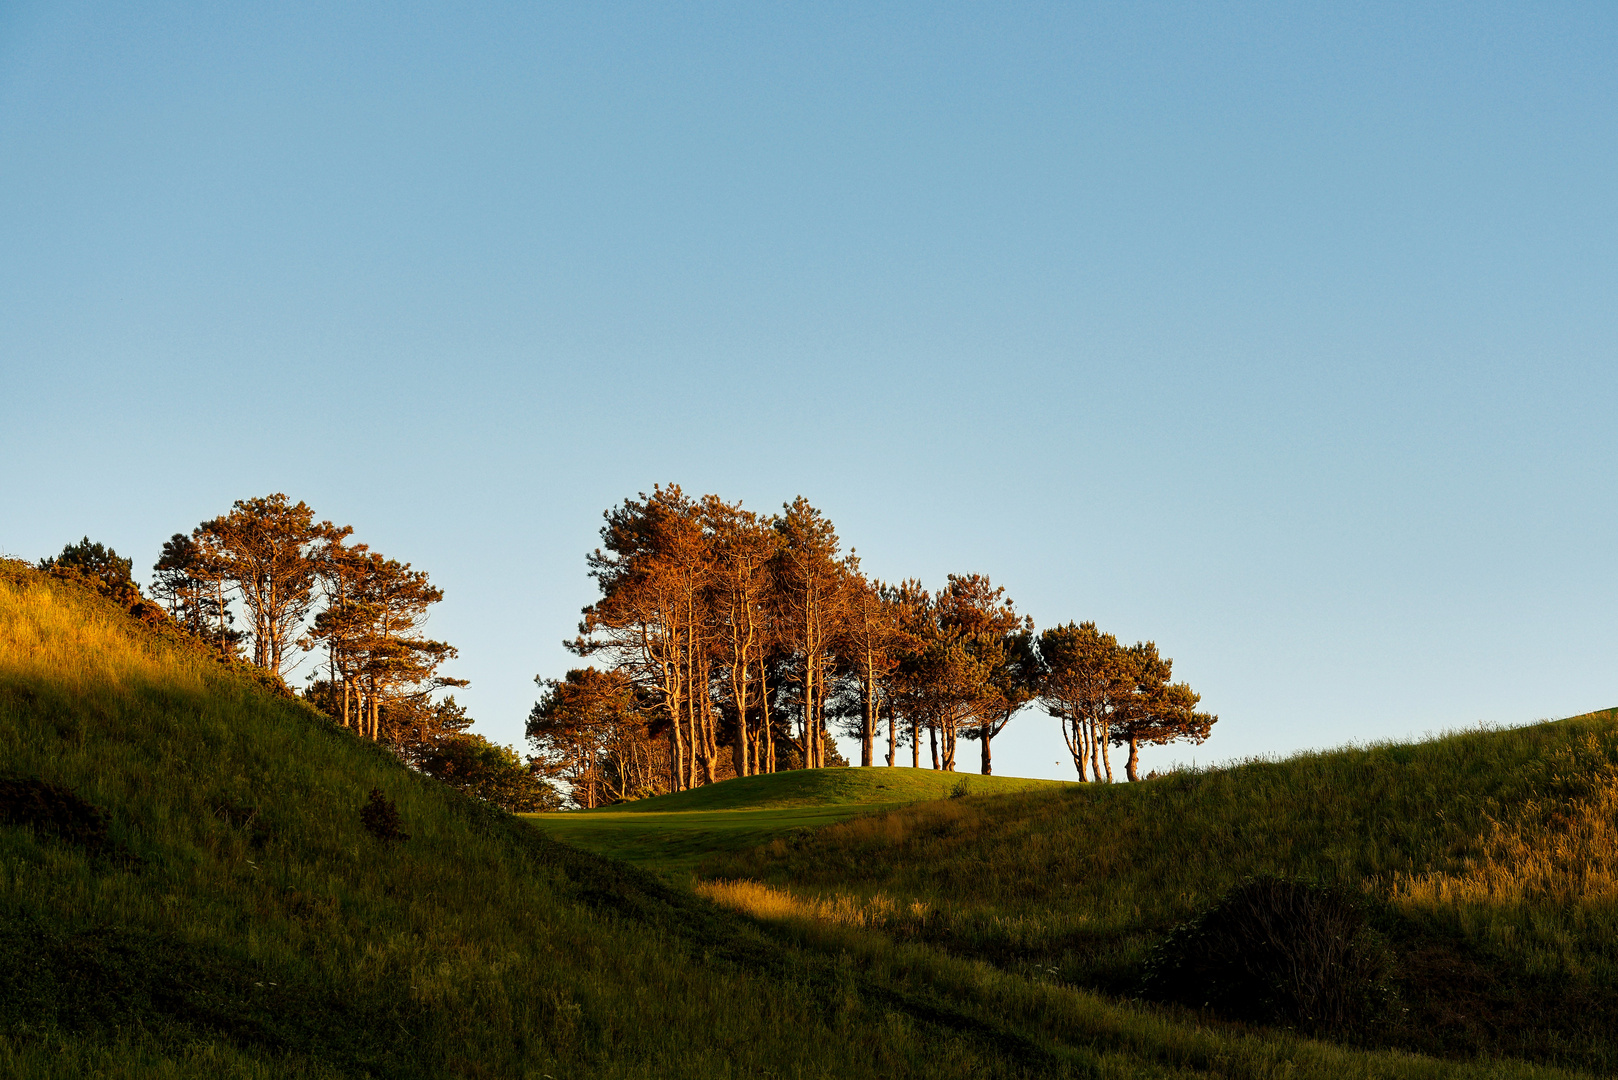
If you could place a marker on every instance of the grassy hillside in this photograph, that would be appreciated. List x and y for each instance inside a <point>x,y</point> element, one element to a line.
<point>186,889</point>
<point>673,834</point>
<point>1491,858</point>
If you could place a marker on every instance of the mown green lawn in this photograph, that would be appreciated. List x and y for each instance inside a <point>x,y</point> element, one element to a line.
<point>673,834</point>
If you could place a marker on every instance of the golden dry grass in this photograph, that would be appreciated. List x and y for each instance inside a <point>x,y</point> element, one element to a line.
<point>873,912</point>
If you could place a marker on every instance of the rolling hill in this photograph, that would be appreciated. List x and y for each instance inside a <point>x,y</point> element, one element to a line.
<point>1488,859</point>
<point>195,881</point>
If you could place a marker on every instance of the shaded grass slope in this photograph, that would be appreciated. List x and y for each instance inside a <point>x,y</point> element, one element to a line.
<point>1490,859</point>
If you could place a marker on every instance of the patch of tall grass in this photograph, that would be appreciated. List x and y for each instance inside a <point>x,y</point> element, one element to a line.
<point>875,912</point>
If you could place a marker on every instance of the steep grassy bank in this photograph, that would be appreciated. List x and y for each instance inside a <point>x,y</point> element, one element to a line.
<point>1491,858</point>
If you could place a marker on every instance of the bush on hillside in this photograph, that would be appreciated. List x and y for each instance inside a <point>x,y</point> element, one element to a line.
<point>1279,952</point>
<point>99,567</point>
<point>380,816</point>
<point>92,561</point>
<point>490,772</point>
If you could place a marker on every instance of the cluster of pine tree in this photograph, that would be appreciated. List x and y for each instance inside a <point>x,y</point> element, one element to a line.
<point>735,644</point>
<point>268,583</point>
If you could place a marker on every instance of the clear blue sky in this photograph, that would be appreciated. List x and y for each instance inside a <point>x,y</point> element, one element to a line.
<point>1283,335</point>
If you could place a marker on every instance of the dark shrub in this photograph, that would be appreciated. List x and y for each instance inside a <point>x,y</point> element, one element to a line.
<point>381,818</point>
<point>52,810</point>
<point>1278,952</point>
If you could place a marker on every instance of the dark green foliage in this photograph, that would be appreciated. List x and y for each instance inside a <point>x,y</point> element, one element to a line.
<point>1281,952</point>
<point>489,772</point>
<point>92,561</point>
<point>381,818</point>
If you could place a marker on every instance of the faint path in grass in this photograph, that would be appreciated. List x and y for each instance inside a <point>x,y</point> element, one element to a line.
<point>672,834</point>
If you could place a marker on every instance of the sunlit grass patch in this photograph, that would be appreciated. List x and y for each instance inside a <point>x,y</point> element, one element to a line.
<point>1556,847</point>
<point>875,912</point>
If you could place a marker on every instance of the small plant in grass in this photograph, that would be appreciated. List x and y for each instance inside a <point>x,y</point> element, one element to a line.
<point>381,818</point>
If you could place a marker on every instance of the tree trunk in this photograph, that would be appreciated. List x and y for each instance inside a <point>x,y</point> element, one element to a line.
<point>893,736</point>
<point>932,743</point>
<point>674,757</point>
<point>868,725</point>
<point>915,742</point>
<point>740,748</point>
<point>710,736</point>
<point>988,733</point>
<point>1131,767</point>
<point>1073,733</point>
<point>766,732</point>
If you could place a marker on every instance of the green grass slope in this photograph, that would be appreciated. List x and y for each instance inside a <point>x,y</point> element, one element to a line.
<point>222,912</point>
<point>1491,857</point>
<point>831,787</point>
<point>673,834</point>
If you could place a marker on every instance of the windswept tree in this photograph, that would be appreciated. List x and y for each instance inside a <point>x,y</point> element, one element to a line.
<point>978,620</point>
<point>744,547</point>
<point>869,647</point>
<point>1153,710</point>
<point>811,592</point>
<point>267,549</point>
<point>1013,682</point>
<point>654,570</point>
<point>910,684</point>
<point>396,659</point>
<point>191,584</point>
<point>373,628</point>
<point>1081,669</point>
<point>589,730</point>
<point>963,665</point>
